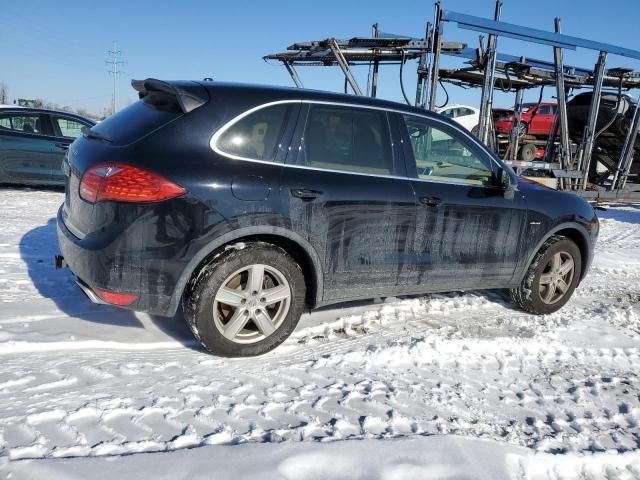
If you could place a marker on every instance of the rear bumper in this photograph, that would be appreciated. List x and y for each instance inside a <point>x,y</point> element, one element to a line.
<point>117,266</point>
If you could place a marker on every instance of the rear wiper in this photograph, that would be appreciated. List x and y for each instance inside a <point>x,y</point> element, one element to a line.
<point>88,133</point>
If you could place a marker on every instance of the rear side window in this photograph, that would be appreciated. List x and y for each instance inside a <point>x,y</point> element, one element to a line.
<point>22,123</point>
<point>69,128</point>
<point>350,139</point>
<point>255,136</point>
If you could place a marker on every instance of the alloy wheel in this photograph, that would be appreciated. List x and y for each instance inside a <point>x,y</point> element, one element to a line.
<point>251,303</point>
<point>556,277</point>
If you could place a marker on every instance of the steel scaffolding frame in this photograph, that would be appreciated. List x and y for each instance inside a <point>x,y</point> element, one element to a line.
<point>487,68</point>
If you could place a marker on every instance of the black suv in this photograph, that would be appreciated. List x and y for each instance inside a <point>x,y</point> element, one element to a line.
<point>246,204</point>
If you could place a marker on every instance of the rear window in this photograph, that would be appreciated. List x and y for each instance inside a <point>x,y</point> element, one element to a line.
<point>136,121</point>
<point>68,127</point>
<point>255,136</point>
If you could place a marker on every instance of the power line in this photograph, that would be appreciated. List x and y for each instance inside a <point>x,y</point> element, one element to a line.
<point>115,71</point>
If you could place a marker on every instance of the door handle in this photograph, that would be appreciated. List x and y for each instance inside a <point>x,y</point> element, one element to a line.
<point>305,193</point>
<point>64,146</point>
<point>430,201</point>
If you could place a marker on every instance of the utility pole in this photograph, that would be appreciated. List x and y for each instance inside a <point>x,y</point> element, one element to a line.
<point>115,71</point>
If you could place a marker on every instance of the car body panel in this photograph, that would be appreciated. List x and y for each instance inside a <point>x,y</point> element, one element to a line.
<point>472,235</point>
<point>546,218</point>
<point>364,235</point>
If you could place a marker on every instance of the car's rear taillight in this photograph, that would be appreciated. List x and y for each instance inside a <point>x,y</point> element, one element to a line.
<point>126,183</point>
<point>116,298</point>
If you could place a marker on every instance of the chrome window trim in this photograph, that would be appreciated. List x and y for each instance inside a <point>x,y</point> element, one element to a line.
<point>213,142</point>
<point>215,137</point>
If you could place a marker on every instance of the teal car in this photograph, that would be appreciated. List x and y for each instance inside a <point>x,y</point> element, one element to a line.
<point>33,143</point>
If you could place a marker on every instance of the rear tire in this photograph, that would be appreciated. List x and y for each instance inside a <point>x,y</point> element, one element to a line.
<point>246,301</point>
<point>551,278</point>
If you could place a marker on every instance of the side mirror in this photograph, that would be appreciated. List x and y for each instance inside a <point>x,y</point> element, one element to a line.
<point>506,183</point>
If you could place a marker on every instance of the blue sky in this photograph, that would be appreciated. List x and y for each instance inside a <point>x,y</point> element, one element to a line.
<point>57,50</point>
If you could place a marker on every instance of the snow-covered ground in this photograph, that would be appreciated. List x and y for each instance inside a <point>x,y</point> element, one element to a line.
<point>441,386</point>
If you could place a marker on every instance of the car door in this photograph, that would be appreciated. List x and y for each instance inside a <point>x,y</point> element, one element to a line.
<point>28,148</point>
<point>467,234</point>
<point>345,191</point>
<point>542,120</point>
<point>66,129</point>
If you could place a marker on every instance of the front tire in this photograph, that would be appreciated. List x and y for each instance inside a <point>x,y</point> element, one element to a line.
<point>551,278</point>
<point>246,301</point>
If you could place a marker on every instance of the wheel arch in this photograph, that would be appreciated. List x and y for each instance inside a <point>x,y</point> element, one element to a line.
<point>296,246</point>
<point>573,231</point>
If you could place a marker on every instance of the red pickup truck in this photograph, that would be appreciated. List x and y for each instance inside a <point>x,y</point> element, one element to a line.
<point>537,119</point>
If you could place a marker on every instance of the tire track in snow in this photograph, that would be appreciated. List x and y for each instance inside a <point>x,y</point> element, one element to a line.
<point>456,363</point>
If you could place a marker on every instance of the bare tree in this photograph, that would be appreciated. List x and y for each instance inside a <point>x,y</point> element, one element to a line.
<point>4,94</point>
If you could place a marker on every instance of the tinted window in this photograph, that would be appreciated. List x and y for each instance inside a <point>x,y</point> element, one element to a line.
<point>134,122</point>
<point>441,157</point>
<point>544,110</point>
<point>352,139</point>
<point>449,112</point>
<point>465,111</point>
<point>256,135</point>
<point>68,127</point>
<point>21,123</point>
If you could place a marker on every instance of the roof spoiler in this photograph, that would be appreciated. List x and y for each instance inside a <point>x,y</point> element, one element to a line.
<point>187,99</point>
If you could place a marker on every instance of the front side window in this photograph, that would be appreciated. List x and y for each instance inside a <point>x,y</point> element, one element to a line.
<point>255,136</point>
<point>441,157</point>
<point>350,139</point>
<point>21,123</point>
<point>544,110</point>
<point>68,127</point>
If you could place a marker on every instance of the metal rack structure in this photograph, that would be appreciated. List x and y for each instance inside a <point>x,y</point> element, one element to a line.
<point>486,68</point>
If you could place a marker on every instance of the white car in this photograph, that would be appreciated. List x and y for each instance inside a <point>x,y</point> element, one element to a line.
<point>467,116</point>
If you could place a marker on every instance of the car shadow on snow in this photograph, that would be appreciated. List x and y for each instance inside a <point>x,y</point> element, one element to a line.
<point>37,249</point>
